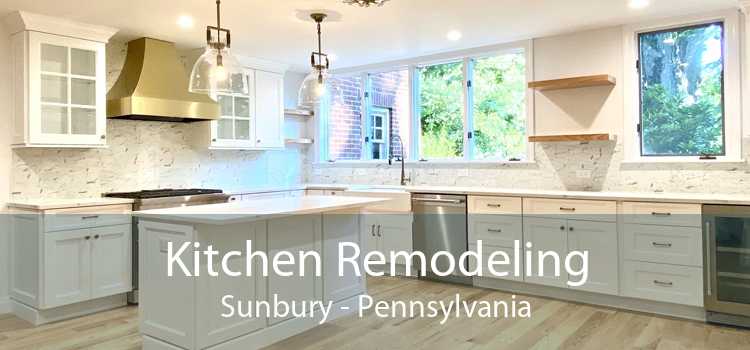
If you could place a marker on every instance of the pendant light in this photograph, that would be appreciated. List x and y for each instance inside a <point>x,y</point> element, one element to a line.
<point>316,84</point>
<point>217,70</point>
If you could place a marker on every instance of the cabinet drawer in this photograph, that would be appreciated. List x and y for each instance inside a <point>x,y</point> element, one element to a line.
<point>662,214</point>
<point>665,283</point>
<point>495,230</point>
<point>571,209</point>
<point>76,218</point>
<point>495,205</point>
<point>510,268</point>
<point>664,244</point>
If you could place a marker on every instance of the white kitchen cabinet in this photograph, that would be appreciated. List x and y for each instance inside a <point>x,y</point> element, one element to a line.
<point>546,235</point>
<point>235,129</point>
<point>59,82</point>
<point>252,121</point>
<point>599,239</point>
<point>388,233</point>
<point>67,267</point>
<point>111,261</point>
<point>269,110</point>
<point>564,236</point>
<point>341,227</point>
<point>86,264</point>
<point>79,258</point>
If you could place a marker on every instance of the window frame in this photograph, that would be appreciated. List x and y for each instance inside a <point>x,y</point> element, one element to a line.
<point>733,113</point>
<point>412,65</point>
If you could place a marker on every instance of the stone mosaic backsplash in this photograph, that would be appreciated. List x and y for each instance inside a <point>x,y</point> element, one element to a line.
<point>556,168</point>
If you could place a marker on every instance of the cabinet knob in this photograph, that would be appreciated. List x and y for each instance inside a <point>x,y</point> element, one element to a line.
<point>571,229</point>
<point>213,140</point>
<point>562,228</point>
<point>87,238</point>
<point>258,141</point>
<point>96,236</point>
<point>104,137</point>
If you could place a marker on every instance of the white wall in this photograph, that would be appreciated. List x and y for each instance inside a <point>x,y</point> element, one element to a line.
<point>292,82</point>
<point>5,162</point>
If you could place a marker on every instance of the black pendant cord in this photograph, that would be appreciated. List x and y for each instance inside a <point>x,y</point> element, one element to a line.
<point>218,17</point>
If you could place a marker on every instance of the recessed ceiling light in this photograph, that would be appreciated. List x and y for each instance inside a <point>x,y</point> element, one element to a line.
<point>454,35</point>
<point>185,22</point>
<point>638,4</point>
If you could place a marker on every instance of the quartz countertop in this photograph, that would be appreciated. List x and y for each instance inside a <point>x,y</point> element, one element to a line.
<point>260,209</point>
<point>50,204</point>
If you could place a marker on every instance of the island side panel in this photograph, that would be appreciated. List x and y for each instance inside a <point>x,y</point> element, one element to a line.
<point>166,304</point>
<point>295,234</point>
<point>212,327</point>
<point>338,227</point>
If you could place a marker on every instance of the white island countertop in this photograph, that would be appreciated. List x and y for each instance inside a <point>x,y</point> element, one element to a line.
<point>261,209</point>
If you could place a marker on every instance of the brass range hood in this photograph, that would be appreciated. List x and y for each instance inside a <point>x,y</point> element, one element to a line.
<point>153,86</point>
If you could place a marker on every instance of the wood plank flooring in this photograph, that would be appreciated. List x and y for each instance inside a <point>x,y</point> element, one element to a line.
<point>554,325</point>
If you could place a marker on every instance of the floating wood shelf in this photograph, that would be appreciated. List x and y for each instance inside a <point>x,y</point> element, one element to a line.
<point>573,83</point>
<point>298,113</point>
<point>567,138</point>
<point>300,141</point>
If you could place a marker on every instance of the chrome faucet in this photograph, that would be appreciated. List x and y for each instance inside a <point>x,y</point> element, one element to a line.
<point>404,179</point>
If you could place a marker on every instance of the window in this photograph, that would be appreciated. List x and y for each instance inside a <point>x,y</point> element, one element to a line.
<point>499,107</point>
<point>389,109</point>
<point>683,95</point>
<point>441,109</point>
<point>344,118</point>
<point>682,91</point>
<point>470,106</point>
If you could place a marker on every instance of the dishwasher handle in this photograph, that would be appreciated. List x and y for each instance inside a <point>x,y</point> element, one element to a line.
<point>438,201</point>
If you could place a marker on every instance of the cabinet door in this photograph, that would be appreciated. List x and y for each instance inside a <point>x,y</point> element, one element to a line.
<point>67,91</point>
<point>235,129</point>
<point>111,260</point>
<point>599,239</point>
<point>67,268</point>
<point>341,227</point>
<point>269,110</point>
<point>546,235</point>
<point>395,234</point>
<point>495,230</point>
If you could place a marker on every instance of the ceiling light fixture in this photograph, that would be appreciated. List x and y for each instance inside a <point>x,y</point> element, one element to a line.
<point>314,85</point>
<point>185,22</point>
<point>217,71</point>
<point>638,4</point>
<point>366,3</point>
<point>454,35</point>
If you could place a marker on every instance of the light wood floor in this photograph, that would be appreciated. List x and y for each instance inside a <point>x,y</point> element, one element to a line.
<point>554,325</point>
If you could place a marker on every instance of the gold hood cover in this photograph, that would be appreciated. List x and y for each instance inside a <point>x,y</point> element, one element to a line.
<point>153,86</point>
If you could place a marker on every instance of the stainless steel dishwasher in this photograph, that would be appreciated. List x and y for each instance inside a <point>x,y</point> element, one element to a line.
<point>440,225</point>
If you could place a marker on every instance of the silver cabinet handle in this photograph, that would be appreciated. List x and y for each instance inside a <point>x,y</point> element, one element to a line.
<point>567,209</point>
<point>663,284</point>
<point>661,245</point>
<point>380,228</point>
<point>494,230</point>
<point>450,201</point>
<point>490,205</point>
<point>708,259</point>
<point>90,217</point>
<point>660,214</point>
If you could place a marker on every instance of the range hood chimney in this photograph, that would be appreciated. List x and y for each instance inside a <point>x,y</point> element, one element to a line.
<point>153,86</point>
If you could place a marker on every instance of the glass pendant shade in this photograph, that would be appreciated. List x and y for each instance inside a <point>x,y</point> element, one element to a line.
<point>312,90</point>
<point>210,77</point>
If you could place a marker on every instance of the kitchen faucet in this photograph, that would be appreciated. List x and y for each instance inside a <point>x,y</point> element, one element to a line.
<point>404,179</point>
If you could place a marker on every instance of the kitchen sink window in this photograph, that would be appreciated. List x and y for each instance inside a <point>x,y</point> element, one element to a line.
<point>467,108</point>
<point>687,92</point>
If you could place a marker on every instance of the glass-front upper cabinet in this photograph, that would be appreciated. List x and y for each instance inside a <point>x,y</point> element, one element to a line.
<point>235,129</point>
<point>59,88</point>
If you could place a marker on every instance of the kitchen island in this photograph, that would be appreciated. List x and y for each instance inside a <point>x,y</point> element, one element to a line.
<point>185,311</point>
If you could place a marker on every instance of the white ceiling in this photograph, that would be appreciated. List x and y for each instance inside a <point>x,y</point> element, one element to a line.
<point>269,29</point>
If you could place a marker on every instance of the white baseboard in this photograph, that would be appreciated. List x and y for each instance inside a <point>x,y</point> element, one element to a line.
<point>5,306</point>
<point>39,317</point>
